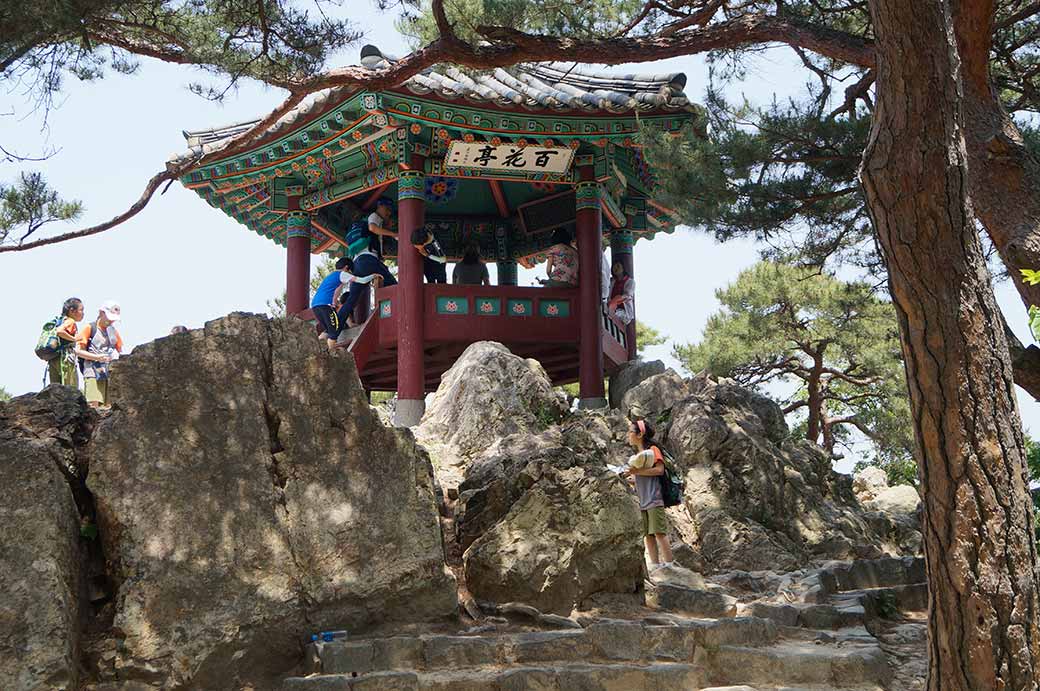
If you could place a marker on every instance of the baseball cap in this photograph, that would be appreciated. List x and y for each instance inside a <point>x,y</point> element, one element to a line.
<point>385,201</point>
<point>111,310</point>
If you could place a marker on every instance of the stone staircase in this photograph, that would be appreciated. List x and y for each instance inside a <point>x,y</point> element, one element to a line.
<point>854,626</point>
<point>605,654</point>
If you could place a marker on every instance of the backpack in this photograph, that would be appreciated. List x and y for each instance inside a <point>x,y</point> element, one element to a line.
<point>672,482</point>
<point>359,238</point>
<point>48,345</point>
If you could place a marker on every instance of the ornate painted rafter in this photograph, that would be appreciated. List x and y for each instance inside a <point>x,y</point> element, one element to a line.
<point>357,146</point>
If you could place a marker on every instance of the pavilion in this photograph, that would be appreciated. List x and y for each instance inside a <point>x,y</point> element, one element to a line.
<point>498,160</point>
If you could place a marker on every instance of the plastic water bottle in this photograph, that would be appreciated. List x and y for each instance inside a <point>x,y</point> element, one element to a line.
<point>328,636</point>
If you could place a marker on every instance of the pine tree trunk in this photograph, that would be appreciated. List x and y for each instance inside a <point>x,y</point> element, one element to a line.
<point>815,395</point>
<point>1005,176</point>
<point>980,549</point>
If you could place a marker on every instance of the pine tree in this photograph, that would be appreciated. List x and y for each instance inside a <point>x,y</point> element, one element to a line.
<point>836,341</point>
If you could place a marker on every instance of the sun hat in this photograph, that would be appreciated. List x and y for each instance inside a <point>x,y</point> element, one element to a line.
<point>111,310</point>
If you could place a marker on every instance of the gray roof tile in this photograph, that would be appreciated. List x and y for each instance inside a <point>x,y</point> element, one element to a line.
<point>558,86</point>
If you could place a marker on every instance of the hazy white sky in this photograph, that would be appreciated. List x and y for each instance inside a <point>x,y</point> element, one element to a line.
<point>182,262</point>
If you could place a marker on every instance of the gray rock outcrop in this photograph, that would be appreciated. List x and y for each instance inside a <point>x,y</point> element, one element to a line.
<point>543,521</point>
<point>488,394</point>
<point>248,495</point>
<point>573,533</point>
<point>41,573</point>
<point>653,396</point>
<point>630,375</point>
<point>869,482</point>
<point>539,517</point>
<point>754,498</point>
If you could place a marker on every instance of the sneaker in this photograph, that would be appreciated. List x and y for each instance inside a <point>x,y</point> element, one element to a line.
<point>657,567</point>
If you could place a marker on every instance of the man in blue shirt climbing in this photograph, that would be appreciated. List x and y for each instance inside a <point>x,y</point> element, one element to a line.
<point>328,317</point>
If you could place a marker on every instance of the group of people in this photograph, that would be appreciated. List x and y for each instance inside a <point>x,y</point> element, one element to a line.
<point>338,294</point>
<point>87,351</point>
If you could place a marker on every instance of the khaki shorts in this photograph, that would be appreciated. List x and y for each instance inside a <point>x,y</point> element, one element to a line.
<point>63,372</point>
<point>654,521</point>
<point>96,390</point>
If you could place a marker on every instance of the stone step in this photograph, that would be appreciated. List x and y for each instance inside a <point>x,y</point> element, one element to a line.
<point>603,640</point>
<point>864,574</point>
<point>887,601</point>
<point>845,666</point>
<point>828,687</point>
<point>849,613</point>
<point>558,677</point>
<point>693,601</point>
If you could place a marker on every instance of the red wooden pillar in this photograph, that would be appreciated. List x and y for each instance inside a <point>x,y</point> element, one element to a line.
<point>590,249</point>
<point>622,246</point>
<point>298,262</point>
<point>411,374</point>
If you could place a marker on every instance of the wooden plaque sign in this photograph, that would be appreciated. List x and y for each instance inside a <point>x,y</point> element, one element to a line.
<point>528,159</point>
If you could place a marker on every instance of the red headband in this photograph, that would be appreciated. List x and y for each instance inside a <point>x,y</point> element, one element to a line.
<point>641,426</point>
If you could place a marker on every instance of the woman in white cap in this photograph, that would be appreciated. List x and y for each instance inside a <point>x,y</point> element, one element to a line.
<point>99,344</point>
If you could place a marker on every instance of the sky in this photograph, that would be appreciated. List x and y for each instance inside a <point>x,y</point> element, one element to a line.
<point>182,262</point>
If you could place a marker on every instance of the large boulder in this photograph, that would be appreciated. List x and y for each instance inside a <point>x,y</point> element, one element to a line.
<point>573,533</point>
<point>654,396</point>
<point>898,501</point>
<point>41,576</point>
<point>247,495</point>
<point>511,466</point>
<point>538,515</point>
<point>629,375</point>
<point>754,498</point>
<point>489,393</point>
<point>869,482</point>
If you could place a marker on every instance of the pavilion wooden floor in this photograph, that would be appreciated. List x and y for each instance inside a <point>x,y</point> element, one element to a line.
<point>379,373</point>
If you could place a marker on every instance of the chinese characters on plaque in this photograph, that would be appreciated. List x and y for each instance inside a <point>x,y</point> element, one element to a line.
<point>537,159</point>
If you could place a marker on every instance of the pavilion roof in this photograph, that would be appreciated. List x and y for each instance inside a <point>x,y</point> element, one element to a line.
<point>546,87</point>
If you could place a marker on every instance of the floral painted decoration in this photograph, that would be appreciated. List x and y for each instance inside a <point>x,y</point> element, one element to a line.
<point>486,306</point>
<point>451,306</point>
<point>441,190</point>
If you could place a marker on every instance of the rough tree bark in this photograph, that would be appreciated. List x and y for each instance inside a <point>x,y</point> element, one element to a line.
<point>815,395</point>
<point>1004,176</point>
<point>979,544</point>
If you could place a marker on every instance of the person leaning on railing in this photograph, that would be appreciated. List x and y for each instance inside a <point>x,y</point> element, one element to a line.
<point>562,261</point>
<point>621,304</point>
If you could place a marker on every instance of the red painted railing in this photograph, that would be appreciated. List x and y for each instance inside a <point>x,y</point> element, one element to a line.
<point>507,314</point>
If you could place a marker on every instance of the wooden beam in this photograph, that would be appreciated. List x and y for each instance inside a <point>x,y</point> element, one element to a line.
<point>500,198</point>
<point>329,235</point>
<point>325,245</point>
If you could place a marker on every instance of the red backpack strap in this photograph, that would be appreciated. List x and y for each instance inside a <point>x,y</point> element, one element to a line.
<point>658,456</point>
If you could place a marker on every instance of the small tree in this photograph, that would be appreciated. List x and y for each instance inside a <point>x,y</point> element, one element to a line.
<point>837,341</point>
<point>29,204</point>
<point>4,396</point>
<point>646,337</point>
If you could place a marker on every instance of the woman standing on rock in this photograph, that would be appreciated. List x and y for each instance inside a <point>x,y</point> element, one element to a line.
<point>645,468</point>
